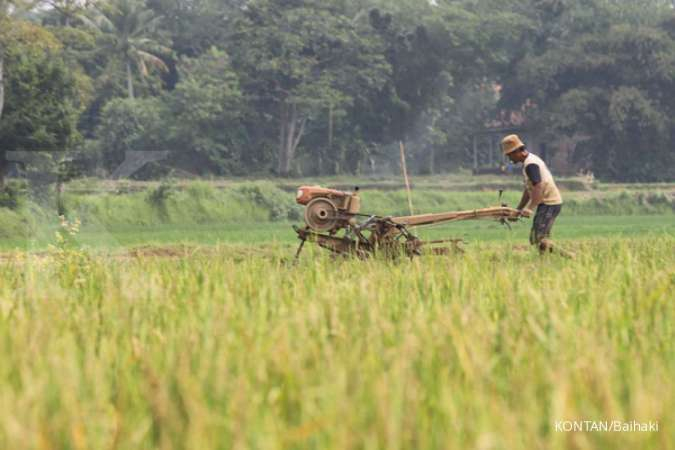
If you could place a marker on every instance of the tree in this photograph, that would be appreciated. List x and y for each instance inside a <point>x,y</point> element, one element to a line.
<point>3,45</point>
<point>296,57</point>
<point>129,124</point>
<point>605,82</point>
<point>40,96</point>
<point>206,110</point>
<point>127,34</point>
<point>67,11</point>
<point>197,25</point>
<point>7,37</point>
<point>442,55</point>
<point>200,120</point>
<point>617,104</point>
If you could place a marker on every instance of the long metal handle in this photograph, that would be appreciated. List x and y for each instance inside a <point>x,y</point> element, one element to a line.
<point>484,213</point>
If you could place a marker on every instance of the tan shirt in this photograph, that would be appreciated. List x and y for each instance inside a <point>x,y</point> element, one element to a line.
<point>551,194</point>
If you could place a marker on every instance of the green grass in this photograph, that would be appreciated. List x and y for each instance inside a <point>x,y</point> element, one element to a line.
<point>264,233</point>
<point>202,201</point>
<point>462,181</point>
<point>230,349</point>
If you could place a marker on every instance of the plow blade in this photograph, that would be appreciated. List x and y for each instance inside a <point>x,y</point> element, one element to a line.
<point>337,245</point>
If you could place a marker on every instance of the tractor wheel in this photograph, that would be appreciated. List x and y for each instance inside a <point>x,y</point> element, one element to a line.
<point>321,215</point>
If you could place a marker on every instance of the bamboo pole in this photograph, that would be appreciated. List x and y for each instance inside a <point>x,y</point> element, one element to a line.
<point>405,177</point>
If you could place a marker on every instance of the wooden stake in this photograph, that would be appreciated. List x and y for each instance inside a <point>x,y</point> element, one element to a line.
<point>405,177</point>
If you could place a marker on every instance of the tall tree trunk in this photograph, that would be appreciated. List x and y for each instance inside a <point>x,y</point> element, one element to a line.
<point>60,207</point>
<point>2,81</point>
<point>4,167</point>
<point>289,137</point>
<point>432,160</point>
<point>290,134</point>
<point>330,127</point>
<point>294,144</point>
<point>130,81</point>
<point>283,119</point>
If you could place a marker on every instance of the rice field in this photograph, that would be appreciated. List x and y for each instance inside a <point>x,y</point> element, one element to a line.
<point>234,347</point>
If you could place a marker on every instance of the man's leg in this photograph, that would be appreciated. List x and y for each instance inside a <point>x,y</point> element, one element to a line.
<point>542,226</point>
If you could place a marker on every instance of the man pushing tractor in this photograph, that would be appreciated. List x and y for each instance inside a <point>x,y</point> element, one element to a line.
<point>333,219</point>
<point>540,194</point>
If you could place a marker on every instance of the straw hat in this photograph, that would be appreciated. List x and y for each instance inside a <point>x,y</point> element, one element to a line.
<point>511,143</point>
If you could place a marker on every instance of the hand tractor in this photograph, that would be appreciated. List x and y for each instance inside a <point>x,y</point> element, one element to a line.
<point>334,222</point>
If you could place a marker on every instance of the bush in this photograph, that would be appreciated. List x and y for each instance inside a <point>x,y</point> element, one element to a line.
<point>129,124</point>
<point>280,205</point>
<point>11,197</point>
<point>158,196</point>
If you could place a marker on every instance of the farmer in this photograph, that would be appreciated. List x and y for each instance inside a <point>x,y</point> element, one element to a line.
<point>540,192</point>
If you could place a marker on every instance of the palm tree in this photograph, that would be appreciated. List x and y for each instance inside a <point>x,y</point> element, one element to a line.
<point>127,29</point>
<point>67,10</point>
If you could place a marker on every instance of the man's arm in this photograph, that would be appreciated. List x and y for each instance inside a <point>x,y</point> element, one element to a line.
<point>525,199</point>
<point>537,195</point>
<point>534,174</point>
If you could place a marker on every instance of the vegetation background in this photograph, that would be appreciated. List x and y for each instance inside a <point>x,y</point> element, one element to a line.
<point>309,87</point>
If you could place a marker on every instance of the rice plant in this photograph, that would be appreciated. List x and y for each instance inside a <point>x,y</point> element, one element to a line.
<point>235,348</point>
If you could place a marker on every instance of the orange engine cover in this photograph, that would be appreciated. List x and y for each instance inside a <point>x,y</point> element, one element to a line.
<point>308,193</point>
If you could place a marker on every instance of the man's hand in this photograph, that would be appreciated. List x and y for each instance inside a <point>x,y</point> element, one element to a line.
<point>524,212</point>
<point>524,200</point>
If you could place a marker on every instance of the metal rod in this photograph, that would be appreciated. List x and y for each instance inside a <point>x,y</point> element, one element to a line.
<point>297,253</point>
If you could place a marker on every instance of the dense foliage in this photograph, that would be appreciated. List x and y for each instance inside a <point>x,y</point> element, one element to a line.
<point>312,87</point>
